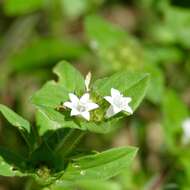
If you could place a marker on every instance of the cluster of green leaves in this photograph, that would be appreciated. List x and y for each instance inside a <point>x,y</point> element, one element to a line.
<point>153,38</point>
<point>51,157</point>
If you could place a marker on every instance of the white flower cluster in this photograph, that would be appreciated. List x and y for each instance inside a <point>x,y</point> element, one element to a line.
<point>83,105</point>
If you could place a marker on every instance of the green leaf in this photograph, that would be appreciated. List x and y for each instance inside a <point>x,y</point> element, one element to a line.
<point>101,166</point>
<point>14,118</point>
<point>69,77</point>
<point>50,119</point>
<point>174,112</point>
<point>86,185</point>
<point>57,49</point>
<point>176,20</point>
<point>163,54</point>
<point>52,94</point>
<point>44,123</point>
<point>173,28</point>
<point>17,7</point>
<point>103,33</point>
<point>11,164</point>
<point>130,84</point>
<point>156,87</point>
<point>6,169</point>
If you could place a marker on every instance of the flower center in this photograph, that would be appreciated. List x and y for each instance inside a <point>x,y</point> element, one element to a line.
<point>81,107</point>
<point>118,102</point>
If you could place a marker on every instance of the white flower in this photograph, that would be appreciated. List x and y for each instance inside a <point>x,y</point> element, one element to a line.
<point>87,81</point>
<point>186,131</point>
<point>81,106</point>
<point>118,103</point>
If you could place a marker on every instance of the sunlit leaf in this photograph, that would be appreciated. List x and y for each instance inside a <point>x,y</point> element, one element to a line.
<point>100,166</point>
<point>14,118</point>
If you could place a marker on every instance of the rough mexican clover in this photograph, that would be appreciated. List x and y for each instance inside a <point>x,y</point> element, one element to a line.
<point>186,131</point>
<point>81,106</point>
<point>118,103</point>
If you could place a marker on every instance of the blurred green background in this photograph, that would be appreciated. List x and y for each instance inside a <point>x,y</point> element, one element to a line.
<point>105,36</point>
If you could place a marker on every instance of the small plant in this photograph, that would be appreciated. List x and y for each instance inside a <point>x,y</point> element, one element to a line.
<point>66,110</point>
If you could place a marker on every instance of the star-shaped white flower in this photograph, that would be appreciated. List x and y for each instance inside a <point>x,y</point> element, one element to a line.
<point>81,106</point>
<point>186,131</point>
<point>118,103</point>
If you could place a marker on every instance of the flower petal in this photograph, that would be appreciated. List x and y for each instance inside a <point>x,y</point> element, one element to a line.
<point>92,106</point>
<point>128,109</point>
<point>74,112</point>
<point>109,99</point>
<point>116,109</point>
<point>85,115</point>
<point>85,98</point>
<point>110,112</point>
<point>127,100</point>
<point>68,105</point>
<point>73,98</point>
<point>115,92</point>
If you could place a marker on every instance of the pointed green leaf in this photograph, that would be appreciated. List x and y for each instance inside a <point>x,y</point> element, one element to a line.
<point>14,118</point>
<point>86,185</point>
<point>51,95</point>
<point>69,77</point>
<point>103,33</point>
<point>50,119</point>
<point>101,166</point>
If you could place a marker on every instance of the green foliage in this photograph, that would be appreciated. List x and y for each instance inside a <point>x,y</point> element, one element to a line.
<point>119,42</point>
<point>50,158</point>
<point>53,94</point>
<point>11,163</point>
<point>14,7</point>
<point>56,48</point>
<point>69,77</point>
<point>100,166</point>
<point>133,85</point>
<point>14,118</point>
<point>103,33</point>
<point>173,28</point>
<point>87,185</point>
<point>174,112</point>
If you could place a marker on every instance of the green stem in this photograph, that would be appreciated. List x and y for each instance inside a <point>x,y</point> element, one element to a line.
<point>29,184</point>
<point>68,144</point>
<point>26,139</point>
